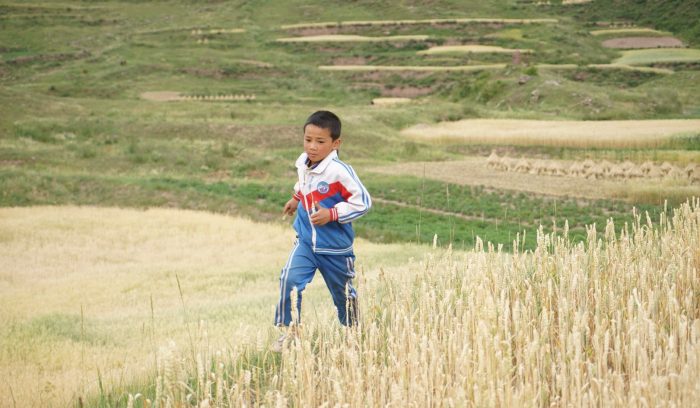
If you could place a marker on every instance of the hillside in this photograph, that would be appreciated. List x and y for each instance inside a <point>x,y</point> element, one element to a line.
<point>678,16</point>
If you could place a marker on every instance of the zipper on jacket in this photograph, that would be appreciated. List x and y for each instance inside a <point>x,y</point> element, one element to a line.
<point>309,212</point>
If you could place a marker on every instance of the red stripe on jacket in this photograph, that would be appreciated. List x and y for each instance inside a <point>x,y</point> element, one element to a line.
<point>333,189</point>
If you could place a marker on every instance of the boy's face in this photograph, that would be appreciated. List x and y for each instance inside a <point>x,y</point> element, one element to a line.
<point>318,143</point>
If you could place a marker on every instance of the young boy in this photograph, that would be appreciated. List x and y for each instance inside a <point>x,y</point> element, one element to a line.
<point>328,196</point>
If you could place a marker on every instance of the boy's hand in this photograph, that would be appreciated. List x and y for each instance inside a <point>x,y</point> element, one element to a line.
<point>290,207</point>
<point>321,216</point>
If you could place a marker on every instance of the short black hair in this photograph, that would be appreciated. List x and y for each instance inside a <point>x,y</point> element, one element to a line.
<point>325,120</point>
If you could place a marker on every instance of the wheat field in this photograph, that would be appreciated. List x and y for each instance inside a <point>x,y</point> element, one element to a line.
<point>614,321</point>
<point>588,134</point>
<point>90,295</point>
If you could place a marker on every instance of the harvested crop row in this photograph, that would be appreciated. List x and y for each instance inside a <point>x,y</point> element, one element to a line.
<point>167,96</point>
<point>597,170</point>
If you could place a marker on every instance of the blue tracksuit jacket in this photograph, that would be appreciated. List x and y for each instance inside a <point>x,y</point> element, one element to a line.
<point>333,185</point>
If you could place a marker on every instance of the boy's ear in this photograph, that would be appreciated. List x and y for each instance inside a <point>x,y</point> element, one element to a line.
<point>336,143</point>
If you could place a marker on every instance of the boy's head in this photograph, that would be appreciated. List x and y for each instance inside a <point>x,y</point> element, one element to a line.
<point>321,135</point>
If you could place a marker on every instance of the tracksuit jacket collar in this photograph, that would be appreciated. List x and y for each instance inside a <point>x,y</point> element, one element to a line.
<point>301,162</point>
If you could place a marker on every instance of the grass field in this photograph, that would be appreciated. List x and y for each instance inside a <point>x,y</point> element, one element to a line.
<point>658,56</point>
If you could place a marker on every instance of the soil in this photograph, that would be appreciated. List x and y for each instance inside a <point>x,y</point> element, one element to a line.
<point>349,61</point>
<point>643,42</point>
<point>405,91</point>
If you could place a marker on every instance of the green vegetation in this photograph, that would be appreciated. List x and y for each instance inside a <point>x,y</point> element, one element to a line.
<point>74,129</point>
<point>658,56</point>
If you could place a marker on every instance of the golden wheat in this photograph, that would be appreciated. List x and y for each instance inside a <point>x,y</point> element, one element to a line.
<point>611,134</point>
<point>613,321</point>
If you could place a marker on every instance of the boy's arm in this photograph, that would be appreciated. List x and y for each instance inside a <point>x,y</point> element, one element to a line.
<point>358,201</point>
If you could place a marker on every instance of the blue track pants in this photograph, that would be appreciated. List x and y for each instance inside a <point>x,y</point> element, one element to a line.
<point>337,271</point>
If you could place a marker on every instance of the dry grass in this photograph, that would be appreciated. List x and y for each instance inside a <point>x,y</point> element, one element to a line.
<point>581,134</point>
<point>390,101</point>
<point>353,38</point>
<point>622,67</point>
<point>424,68</point>
<point>613,321</point>
<point>87,289</point>
<point>630,31</point>
<point>428,21</point>
<point>473,48</point>
<point>199,31</point>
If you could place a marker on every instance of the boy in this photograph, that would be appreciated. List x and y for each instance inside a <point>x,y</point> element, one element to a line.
<point>328,196</point>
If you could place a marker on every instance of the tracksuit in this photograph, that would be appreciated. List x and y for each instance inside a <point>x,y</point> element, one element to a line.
<point>334,185</point>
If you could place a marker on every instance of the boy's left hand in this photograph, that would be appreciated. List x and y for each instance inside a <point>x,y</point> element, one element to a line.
<point>322,216</point>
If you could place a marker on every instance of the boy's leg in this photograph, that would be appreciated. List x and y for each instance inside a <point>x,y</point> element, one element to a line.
<point>338,272</point>
<point>297,272</point>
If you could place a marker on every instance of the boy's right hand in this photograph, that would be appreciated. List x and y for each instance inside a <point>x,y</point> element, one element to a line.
<point>290,207</point>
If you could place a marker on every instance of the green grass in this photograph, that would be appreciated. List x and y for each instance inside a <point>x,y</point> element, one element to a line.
<point>658,56</point>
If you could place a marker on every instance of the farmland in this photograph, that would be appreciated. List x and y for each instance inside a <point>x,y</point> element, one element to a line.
<point>146,151</point>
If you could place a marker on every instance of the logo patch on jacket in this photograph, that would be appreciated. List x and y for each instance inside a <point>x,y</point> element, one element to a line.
<point>322,187</point>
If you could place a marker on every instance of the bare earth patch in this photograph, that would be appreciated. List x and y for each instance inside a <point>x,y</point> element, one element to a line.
<point>642,42</point>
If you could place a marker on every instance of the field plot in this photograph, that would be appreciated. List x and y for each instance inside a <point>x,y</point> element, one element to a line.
<point>613,321</point>
<point>476,49</point>
<point>352,38</point>
<point>643,42</point>
<point>331,24</point>
<point>420,68</point>
<point>612,134</point>
<point>658,56</point>
<point>168,96</point>
<point>85,289</point>
<point>628,31</point>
